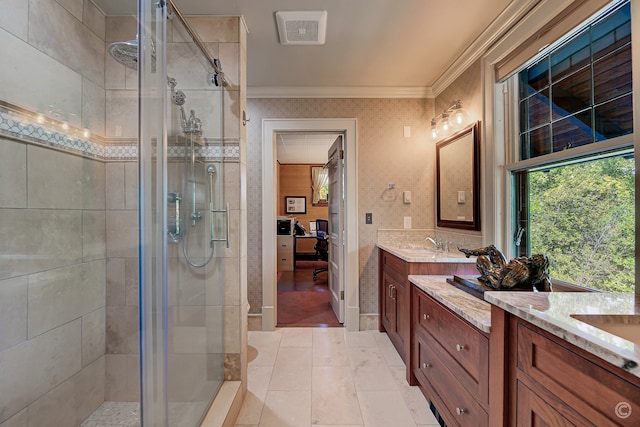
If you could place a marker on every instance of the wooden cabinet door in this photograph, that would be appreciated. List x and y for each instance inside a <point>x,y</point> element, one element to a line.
<point>388,305</point>
<point>533,411</point>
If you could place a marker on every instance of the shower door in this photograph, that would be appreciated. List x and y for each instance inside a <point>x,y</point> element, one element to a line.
<point>183,223</point>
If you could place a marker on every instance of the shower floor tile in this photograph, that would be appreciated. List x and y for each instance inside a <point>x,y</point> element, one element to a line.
<point>115,414</point>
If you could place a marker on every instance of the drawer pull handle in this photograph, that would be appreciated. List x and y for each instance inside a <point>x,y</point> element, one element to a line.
<point>461,411</point>
<point>426,365</point>
<point>426,316</point>
<point>460,347</point>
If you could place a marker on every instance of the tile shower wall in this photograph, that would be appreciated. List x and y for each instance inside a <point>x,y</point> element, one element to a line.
<point>385,157</point>
<point>70,237</point>
<point>52,268</point>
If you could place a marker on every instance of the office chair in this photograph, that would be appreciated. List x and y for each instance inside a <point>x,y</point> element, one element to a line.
<point>322,245</point>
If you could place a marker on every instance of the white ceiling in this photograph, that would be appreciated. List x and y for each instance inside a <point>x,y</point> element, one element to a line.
<point>304,148</point>
<point>401,44</point>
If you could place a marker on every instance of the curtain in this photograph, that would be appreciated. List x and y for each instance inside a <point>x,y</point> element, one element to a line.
<point>319,178</point>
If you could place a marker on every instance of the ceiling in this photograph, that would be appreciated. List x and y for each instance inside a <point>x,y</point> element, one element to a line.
<point>304,148</point>
<point>401,44</point>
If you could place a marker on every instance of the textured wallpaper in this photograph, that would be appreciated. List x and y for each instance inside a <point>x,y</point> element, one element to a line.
<point>385,157</point>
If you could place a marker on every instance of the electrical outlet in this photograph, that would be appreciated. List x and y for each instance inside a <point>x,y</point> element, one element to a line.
<point>368,218</point>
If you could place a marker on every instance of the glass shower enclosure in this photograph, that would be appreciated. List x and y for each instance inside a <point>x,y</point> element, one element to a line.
<point>113,224</point>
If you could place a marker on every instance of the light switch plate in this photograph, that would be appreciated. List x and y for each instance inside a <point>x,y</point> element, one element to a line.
<point>407,222</point>
<point>462,198</point>
<point>406,197</point>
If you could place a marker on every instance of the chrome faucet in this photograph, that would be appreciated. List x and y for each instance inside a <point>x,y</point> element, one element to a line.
<point>438,245</point>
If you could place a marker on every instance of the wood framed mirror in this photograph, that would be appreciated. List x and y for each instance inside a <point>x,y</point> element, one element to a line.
<point>458,180</point>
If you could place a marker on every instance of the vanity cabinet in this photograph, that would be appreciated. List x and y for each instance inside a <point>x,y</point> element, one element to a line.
<point>550,381</point>
<point>394,296</point>
<point>450,362</point>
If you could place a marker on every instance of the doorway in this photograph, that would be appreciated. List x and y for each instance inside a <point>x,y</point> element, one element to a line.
<point>303,293</point>
<point>348,273</point>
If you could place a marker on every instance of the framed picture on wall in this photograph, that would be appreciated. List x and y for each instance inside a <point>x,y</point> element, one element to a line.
<point>295,204</point>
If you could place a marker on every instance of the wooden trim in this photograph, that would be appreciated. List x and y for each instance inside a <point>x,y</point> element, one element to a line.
<point>497,367</point>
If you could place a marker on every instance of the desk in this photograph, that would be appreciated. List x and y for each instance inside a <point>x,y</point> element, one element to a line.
<point>296,254</point>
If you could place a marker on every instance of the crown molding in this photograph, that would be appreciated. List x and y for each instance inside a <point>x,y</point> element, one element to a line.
<point>501,25</point>
<point>339,92</point>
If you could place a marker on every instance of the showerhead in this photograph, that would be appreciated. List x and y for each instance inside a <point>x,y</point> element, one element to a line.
<point>125,53</point>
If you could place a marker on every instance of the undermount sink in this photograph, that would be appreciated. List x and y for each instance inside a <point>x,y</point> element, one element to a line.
<point>626,326</point>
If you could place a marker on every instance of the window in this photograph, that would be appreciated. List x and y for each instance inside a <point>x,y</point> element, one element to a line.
<point>320,184</point>
<point>578,205</point>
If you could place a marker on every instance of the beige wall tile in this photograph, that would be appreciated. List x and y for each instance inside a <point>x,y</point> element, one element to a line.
<point>121,113</point>
<point>15,17</point>
<point>114,72</point>
<point>232,114</point>
<point>122,330</point>
<point>133,377</point>
<point>115,377</point>
<point>56,32</point>
<point>21,419</point>
<point>122,234</point>
<point>231,329</point>
<point>115,194</point>
<point>35,81</point>
<point>13,174</point>
<point>230,60</point>
<point>80,187</point>
<point>89,388</point>
<point>120,28</point>
<point>93,336</point>
<point>57,407</point>
<point>13,311</point>
<point>34,367</point>
<point>93,235</point>
<point>73,6</point>
<point>115,282</point>
<point>187,66</point>
<point>131,185</point>
<point>72,401</point>
<point>36,240</point>
<point>187,381</point>
<point>232,190</point>
<point>215,323</point>
<point>93,107</point>
<point>231,280</point>
<point>212,29</point>
<point>60,295</point>
<point>131,282</point>
<point>189,282</point>
<point>93,19</point>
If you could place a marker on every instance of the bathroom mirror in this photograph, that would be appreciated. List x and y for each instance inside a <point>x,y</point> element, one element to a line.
<point>458,180</point>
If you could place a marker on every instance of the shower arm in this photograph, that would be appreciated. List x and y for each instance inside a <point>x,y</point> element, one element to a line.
<point>214,64</point>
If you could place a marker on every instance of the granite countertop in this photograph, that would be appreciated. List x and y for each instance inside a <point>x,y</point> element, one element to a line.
<point>470,308</point>
<point>425,254</point>
<point>553,313</point>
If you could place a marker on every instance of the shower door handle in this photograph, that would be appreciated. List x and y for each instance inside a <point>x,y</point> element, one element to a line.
<point>225,211</point>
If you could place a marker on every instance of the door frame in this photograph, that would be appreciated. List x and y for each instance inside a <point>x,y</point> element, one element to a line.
<point>270,127</point>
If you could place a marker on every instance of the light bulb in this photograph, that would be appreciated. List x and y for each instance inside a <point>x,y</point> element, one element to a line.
<point>444,128</point>
<point>434,130</point>
<point>459,116</point>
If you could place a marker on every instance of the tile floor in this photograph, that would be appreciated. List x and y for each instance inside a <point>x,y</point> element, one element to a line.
<point>329,377</point>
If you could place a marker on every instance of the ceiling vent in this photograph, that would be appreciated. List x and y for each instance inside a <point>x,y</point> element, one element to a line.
<point>302,27</point>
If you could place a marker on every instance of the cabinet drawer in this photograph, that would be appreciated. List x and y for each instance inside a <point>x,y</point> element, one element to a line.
<point>588,388</point>
<point>394,266</point>
<point>462,409</point>
<point>465,346</point>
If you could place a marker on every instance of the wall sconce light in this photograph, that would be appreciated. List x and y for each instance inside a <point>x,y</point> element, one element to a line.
<point>450,120</point>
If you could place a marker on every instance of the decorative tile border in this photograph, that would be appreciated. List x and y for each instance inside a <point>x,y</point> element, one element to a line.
<point>25,126</point>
